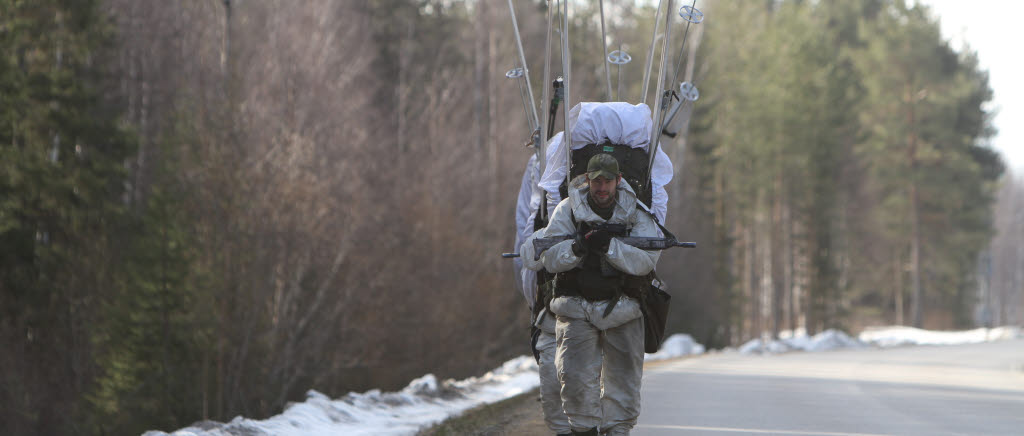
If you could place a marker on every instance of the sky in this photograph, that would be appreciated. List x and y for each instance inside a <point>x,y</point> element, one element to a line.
<point>994,29</point>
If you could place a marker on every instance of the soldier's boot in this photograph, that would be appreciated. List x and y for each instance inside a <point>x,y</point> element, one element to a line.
<point>616,431</point>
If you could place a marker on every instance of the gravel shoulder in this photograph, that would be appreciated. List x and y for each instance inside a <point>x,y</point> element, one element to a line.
<point>519,415</point>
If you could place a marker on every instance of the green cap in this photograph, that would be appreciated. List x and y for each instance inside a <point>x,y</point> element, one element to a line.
<point>603,165</point>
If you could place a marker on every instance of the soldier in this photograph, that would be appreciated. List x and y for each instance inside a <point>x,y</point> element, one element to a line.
<point>543,332</point>
<point>599,327</point>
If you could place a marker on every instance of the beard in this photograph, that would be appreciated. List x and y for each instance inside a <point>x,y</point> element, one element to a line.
<point>602,198</point>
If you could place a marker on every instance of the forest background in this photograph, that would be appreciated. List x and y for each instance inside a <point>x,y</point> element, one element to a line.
<point>209,207</point>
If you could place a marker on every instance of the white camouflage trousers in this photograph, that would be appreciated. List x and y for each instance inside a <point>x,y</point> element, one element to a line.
<point>550,387</point>
<point>600,363</point>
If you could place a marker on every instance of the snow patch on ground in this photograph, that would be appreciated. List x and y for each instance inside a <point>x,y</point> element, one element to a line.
<point>423,402</point>
<point>827,340</point>
<point>677,345</point>
<point>883,337</point>
<point>898,335</point>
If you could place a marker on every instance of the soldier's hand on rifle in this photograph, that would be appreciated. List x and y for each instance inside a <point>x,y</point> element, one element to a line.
<point>579,245</point>
<point>598,239</point>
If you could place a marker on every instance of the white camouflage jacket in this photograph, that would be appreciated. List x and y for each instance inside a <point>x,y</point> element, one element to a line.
<point>631,260</point>
<point>625,258</point>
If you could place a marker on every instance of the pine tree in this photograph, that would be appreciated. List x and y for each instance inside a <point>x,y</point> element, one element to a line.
<point>924,119</point>
<point>61,179</point>
<point>154,337</point>
<point>101,304</point>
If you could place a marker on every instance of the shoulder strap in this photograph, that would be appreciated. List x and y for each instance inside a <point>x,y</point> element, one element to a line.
<point>572,217</point>
<point>667,233</point>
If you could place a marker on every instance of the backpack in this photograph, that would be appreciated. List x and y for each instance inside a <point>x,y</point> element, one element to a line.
<point>633,164</point>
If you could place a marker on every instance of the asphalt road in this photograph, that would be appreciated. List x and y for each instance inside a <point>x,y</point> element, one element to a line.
<point>924,390</point>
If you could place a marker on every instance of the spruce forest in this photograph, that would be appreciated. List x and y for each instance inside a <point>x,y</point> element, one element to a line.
<point>209,207</point>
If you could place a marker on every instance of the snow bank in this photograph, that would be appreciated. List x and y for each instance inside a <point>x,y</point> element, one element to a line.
<point>899,335</point>
<point>875,336</point>
<point>677,345</point>
<point>831,340</point>
<point>827,340</point>
<point>758,346</point>
<point>422,403</point>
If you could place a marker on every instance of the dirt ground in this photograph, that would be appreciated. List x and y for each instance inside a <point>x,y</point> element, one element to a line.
<point>519,415</point>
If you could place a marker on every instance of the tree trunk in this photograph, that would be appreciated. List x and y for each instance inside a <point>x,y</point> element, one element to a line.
<point>917,294</point>
<point>790,268</point>
<point>897,292</point>
<point>778,259</point>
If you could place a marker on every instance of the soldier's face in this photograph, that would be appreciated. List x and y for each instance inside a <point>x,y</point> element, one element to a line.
<point>602,190</point>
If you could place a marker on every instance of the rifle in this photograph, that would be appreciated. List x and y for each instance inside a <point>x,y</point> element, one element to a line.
<point>540,245</point>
